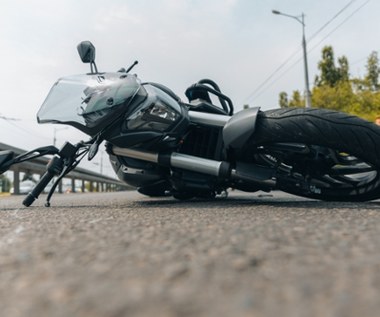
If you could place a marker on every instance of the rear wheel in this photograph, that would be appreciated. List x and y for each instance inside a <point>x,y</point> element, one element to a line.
<point>319,153</point>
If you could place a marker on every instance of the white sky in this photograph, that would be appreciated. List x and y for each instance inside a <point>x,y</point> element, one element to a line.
<point>237,43</point>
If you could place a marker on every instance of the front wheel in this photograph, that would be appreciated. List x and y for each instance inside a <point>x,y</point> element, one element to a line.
<point>319,153</point>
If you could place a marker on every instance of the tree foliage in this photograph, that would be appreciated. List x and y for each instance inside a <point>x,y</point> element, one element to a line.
<point>284,103</point>
<point>373,70</point>
<point>343,73</point>
<point>5,184</point>
<point>335,88</point>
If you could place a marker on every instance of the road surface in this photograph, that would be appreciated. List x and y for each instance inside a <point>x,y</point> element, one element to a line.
<point>122,254</point>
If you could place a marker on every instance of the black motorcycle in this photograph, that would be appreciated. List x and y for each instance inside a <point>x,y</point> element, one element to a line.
<point>164,146</point>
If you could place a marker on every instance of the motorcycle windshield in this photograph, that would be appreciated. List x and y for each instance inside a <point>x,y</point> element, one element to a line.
<point>87,101</point>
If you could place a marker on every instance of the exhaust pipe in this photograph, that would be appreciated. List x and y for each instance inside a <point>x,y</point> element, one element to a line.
<point>219,169</point>
<point>260,175</point>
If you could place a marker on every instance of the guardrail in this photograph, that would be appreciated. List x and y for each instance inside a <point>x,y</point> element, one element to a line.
<point>97,181</point>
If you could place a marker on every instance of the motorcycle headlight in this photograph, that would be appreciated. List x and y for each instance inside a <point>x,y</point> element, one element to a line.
<point>157,116</point>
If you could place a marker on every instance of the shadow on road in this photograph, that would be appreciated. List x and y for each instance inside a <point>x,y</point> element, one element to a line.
<point>137,201</point>
<point>267,200</point>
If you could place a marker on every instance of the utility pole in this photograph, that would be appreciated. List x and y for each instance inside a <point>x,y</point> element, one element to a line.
<point>301,19</point>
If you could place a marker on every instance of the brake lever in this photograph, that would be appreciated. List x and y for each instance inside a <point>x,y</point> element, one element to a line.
<point>8,158</point>
<point>41,151</point>
<point>69,155</point>
<point>60,164</point>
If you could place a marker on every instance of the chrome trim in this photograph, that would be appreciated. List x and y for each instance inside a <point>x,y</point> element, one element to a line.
<point>217,120</point>
<point>178,160</point>
<point>140,155</point>
<point>195,164</point>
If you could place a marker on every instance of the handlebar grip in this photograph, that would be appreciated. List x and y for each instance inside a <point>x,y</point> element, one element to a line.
<point>54,168</point>
<point>33,195</point>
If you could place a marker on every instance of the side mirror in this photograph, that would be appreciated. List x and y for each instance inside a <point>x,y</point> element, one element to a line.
<point>6,160</point>
<point>86,52</point>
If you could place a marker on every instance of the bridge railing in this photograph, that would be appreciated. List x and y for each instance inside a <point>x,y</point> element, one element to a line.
<point>97,181</point>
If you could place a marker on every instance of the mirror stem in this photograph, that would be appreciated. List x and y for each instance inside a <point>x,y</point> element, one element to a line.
<point>93,66</point>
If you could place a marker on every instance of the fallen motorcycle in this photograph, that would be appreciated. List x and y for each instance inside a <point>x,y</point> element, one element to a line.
<point>164,146</point>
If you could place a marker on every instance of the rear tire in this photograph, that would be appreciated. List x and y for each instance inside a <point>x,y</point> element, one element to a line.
<point>343,162</point>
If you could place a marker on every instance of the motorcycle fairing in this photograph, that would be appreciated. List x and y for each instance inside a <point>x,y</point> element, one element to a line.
<point>88,102</point>
<point>155,124</point>
<point>240,128</point>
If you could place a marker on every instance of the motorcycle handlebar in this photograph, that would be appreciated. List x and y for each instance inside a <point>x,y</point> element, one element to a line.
<point>54,168</point>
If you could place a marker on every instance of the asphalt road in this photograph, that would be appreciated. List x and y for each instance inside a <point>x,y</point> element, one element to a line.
<point>122,254</point>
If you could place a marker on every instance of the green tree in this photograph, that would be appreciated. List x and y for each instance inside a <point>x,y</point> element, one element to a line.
<point>343,69</point>
<point>335,88</point>
<point>283,100</point>
<point>297,100</point>
<point>329,74</point>
<point>338,97</point>
<point>5,184</point>
<point>373,70</point>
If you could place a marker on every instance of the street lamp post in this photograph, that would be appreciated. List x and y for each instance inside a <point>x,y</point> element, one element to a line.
<point>301,19</point>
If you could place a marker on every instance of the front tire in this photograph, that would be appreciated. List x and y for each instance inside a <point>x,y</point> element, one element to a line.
<point>319,153</point>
